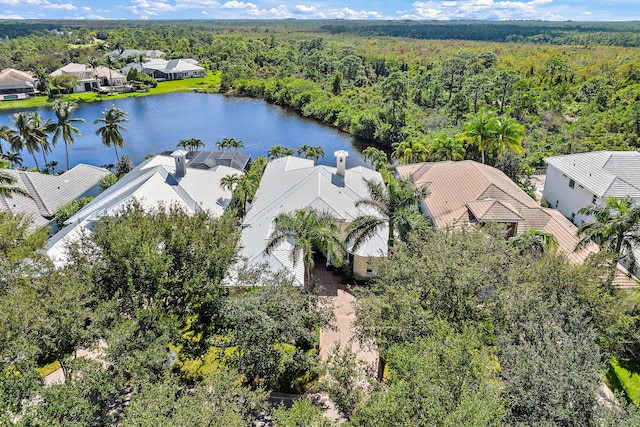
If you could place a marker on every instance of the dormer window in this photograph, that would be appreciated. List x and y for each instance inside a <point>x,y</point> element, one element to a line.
<point>572,183</point>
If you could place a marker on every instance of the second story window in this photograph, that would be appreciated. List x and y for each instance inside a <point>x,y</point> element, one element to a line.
<point>572,183</point>
<point>594,199</point>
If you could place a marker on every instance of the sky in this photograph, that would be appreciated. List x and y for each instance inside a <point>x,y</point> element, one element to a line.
<point>551,10</point>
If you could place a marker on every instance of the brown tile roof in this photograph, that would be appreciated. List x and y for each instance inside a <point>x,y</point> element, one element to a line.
<point>458,188</point>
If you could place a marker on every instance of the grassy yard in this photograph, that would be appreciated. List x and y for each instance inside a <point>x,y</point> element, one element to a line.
<point>203,84</point>
<point>624,376</point>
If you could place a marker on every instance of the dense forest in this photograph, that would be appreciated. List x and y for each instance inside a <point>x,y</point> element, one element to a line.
<point>472,329</point>
<point>387,90</point>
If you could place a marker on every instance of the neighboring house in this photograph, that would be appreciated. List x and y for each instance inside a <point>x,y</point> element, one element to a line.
<point>175,69</point>
<point>574,181</point>
<point>468,192</point>
<point>163,179</point>
<point>292,183</point>
<point>15,84</point>
<point>90,79</point>
<point>50,192</point>
<point>133,53</point>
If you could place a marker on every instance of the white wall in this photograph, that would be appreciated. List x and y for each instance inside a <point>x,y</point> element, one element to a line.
<point>565,199</point>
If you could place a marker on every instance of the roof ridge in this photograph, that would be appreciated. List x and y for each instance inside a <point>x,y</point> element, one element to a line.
<point>31,189</point>
<point>277,200</point>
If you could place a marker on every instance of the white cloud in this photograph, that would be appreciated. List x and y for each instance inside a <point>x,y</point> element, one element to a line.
<point>305,9</point>
<point>86,9</point>
<point>481,9</point>
<point>234,4</point>
<point>65,6</point>
<point>11,17</point>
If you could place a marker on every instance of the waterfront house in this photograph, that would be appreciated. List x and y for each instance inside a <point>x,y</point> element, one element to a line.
<point>167,180</point>
<point>16,84</point>
<point>292,183</point>
<point>90,79</point>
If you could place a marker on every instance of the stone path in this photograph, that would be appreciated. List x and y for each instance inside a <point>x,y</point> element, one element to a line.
<point>344,334</point>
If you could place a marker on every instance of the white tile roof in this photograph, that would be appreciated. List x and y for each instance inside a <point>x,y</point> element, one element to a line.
<point>604,173</point>
<point>151,183</point>
<point>292,183</point>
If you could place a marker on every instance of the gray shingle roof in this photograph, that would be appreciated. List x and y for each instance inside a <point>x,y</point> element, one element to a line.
<point>604,173</point>
<point>50,192</point>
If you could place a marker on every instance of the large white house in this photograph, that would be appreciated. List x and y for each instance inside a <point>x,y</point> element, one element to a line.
<point>175,69</point>
<point>292,183</point>
<point>164,179</point>
<point>91,78</point>
<point>574,181</point>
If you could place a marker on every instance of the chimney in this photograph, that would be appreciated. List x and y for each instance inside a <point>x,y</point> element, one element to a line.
<point>341,162</point>
<point>181,162</point>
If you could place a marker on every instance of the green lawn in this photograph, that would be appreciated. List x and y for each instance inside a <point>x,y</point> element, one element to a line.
<point>203,84</point>
<point>624,376</point>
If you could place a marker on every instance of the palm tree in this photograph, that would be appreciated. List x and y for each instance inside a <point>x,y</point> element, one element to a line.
<point>110,62</point>
<point>93,62</point>
<point>64,125</point>
<point>229,182</point>
<point>508,135</point>
<point>245,190</point>
<point>6,186</point>
<point>191,144</point>
<point>394,203</point>
<point>409,151</point>
<point>14,158</point>
<point>278,151</point>
<point>616,227</point>
<point>6,133</point>
<point>236,144</point>
<point>378,158</point>
<point>50,167</point>
<point>311,152</point>
<point>28,134</point>
<point>445,147</point>
<point>535,242</point>
<point>41,129</point>
<point>480,131</point>
<point>42,77</point>
<point>110,132</point>
<point>309,229</point>
<point>224,144</point>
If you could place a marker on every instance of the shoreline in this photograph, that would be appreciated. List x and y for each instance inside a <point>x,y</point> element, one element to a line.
<point>208,84</point>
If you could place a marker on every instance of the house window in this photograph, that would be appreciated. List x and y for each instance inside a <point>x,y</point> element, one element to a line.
<point>573,217</point>
<point>369,272</point>
<point>572,183</point>
<point>594,199</point>
<point>557,203</point>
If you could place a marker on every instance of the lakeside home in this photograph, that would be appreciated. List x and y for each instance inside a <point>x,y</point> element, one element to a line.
<point>89,78</point>
<point>16,84</point>
<point>161,180</point>
<point>292,183</point>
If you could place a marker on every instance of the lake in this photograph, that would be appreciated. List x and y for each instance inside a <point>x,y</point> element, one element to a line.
<point>157,123</point>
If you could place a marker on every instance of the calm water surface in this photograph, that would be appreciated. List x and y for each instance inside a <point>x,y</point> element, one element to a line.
<point>157,123</point>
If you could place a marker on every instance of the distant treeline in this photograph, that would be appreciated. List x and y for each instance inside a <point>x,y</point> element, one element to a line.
<point>626,34</point>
